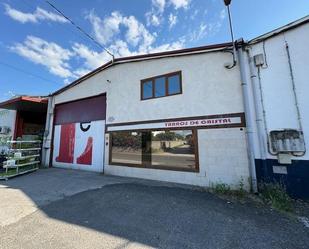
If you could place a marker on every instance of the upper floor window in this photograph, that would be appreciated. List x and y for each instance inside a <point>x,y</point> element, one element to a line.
<point>161,86</point>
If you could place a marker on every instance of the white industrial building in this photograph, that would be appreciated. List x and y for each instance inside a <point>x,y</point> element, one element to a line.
<point>192,116</point>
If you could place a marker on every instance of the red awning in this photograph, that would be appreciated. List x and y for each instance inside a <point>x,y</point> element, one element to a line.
<point>26,103</point>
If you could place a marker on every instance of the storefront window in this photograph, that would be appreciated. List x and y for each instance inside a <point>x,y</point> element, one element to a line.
<point>126,148</point>
<point>164,149</point>
<point>173,149</point>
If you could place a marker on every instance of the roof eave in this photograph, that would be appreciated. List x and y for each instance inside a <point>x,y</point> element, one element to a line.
<point>179,52</point>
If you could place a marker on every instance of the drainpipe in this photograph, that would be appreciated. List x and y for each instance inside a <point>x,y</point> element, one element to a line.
<point>249,119</point>
<point>258,106</point>
<point>46,143</point>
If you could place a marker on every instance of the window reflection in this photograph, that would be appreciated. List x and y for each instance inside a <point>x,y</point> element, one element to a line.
<point>147,89</point>
<point>160,87</point>
<point>173,149</point>
<point>126,148</point>
<point>167,149</point>
<point>174,84</point>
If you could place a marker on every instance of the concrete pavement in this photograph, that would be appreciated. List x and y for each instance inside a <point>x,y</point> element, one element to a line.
<point>131,213</point>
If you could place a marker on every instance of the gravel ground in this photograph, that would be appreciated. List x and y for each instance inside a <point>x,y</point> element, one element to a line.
<point>141,215</point>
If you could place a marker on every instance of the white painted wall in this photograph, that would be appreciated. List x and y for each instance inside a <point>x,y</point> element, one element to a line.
<point>222,156</point>
<point>277,84</point>
<point>7,118</point>
<point>208,88</point>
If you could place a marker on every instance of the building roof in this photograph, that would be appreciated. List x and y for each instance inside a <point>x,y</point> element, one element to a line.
<point>291,25</point>
<point>26,103</point>
<point>186,51</point>
<point>173,53</point>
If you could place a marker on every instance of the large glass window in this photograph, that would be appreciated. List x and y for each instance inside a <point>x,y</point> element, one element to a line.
<point>162,149</point>
<point>126,148</point>
<point>160,86</point>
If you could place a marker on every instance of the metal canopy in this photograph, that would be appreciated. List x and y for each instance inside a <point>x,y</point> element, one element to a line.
<point>26,103</point>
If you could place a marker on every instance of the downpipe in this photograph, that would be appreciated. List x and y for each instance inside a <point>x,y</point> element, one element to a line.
<point>259,108</point>
<point>47,131</point>
<point>249,120</point>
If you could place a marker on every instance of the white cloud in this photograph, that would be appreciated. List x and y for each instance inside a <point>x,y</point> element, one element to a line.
<point>107,28</point>
<point>38,15</point>
<point>92,58</point>
<point>200,32</point>
<point>180,3</point>
<point>208,29</point>
<point>172,19</point>
<point>155,16</point>
<point>167,47</point>
<point>159,4</point>
<point>153,19</point>
<point>137,33</point>
<point>48,54</point>
<point>222,14</point>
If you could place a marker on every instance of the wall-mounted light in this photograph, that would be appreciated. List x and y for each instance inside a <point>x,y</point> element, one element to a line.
<point>228,65</point>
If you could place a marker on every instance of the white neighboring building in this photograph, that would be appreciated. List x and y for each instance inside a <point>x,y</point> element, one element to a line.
<point>280,70</point>
<point>7,127</point>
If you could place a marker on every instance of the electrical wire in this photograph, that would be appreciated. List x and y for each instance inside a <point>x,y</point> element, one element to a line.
<point>77,34</point>
<point>28,73</point>
<point>79,28</point>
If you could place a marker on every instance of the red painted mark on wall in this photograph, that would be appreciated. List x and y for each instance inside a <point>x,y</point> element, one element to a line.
<point>67,140</point>
<point>86,156</point>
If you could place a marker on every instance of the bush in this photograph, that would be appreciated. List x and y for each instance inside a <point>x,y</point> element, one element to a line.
<point>276,195</point>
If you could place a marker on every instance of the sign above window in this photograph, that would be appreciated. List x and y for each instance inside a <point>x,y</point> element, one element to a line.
<point>161,86</point>
<point>233,120</point>
<point>204,122</point>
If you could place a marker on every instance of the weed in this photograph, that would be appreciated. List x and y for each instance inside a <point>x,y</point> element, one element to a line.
<point>240,192</point>
<point>221,188</point>
<point>275,194</point>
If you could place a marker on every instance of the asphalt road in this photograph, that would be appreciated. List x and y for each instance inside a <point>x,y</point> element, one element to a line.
<point>139,215</point>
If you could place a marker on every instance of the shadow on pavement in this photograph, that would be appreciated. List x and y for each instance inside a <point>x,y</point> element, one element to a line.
<point>162,216</point>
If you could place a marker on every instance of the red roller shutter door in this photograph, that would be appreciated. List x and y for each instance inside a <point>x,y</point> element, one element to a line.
<point>79,127</point>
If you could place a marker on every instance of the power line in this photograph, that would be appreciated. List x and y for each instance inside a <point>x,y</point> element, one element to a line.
<point>79,28</point>
<point>26,72</point>
<point>76,33</point>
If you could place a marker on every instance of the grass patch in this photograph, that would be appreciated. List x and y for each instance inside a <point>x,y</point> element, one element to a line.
<point>221,188</point>
<point>225,189</point>
<point>276,195</point>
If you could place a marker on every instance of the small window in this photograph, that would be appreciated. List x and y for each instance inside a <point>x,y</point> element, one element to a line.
<point>161,86</point>
<point>147,89</point>
<point>174,84</point>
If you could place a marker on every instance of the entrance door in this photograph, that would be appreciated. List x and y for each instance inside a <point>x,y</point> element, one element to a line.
<point>79,134</point>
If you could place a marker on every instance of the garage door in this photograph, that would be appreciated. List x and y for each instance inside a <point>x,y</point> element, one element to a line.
<point>79,129</point>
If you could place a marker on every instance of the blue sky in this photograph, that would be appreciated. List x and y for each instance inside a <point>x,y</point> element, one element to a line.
<point>41,52</point>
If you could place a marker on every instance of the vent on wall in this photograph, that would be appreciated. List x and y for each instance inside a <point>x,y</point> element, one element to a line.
<point>287,141</point>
